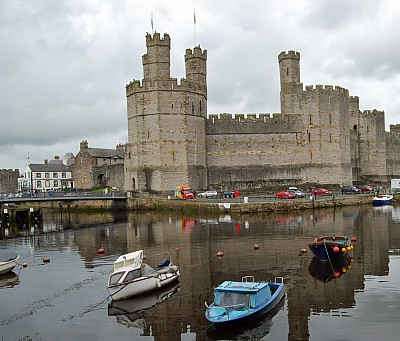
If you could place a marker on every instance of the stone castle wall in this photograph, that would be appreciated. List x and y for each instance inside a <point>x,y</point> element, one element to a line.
<point>9,180</point>
<point>321,136</point>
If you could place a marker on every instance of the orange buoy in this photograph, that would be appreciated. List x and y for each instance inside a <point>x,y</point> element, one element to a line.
<point>46,259</point>
<point>177,249</point>
<point>303,251</point>
<point>336,273</point>
<point>349,248</point>
<point>353,239</point>
<point>256,247</point>
<point>344,269</point>
<point>352,247</point>
<point>220,254</point>
<point>100,250</point>
<point>24,265</point>
<point>335,249</point>
<point>344,249</point>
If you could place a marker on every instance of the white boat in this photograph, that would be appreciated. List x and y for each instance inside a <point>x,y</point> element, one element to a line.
<point>8,261</point>
<point>382,199</point>
<point>131,276</point>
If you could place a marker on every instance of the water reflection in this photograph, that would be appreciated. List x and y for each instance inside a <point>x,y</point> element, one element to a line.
<point>329,270</point>
<point>133,312</point>
<point>73,241</point>
<point>9,280</point>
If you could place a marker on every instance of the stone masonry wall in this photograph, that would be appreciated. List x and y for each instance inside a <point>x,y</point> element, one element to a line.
<point>9,180</point>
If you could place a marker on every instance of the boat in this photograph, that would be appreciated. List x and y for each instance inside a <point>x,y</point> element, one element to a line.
<point>9,280</point>
<point>131,276</point>
<point>242,302</point>
<point>328,271</point>
<point>133,311</point>
<point>8,261</point>
<point>330,247</point>
<point>256,329</point>
<point>382,199</point>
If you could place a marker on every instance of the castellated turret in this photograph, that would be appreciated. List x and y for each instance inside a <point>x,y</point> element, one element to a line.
<point>196,66</point>
<point>156,62</point>
<point>289,70</point>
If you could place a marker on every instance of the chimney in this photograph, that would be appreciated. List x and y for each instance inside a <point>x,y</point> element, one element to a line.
<point>56,157</point>
<point>46,161</point>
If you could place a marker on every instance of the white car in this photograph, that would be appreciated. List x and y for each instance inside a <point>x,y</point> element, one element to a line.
<point>295,190</point>
<point>207,194</point>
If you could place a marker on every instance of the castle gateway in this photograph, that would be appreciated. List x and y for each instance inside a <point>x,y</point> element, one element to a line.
<point>320,136</point>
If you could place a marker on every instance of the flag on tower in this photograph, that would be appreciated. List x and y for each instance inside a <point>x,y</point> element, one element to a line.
<point>151,22</point>
<point>194,15</point>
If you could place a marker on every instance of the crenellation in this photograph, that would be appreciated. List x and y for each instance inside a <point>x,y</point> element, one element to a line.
<point>289,55</point>
<point>157,40</point>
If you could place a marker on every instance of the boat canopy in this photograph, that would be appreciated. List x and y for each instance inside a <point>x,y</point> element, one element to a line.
<point>130,259</point>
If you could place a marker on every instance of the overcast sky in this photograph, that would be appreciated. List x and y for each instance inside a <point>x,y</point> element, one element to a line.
<point>64,64</point>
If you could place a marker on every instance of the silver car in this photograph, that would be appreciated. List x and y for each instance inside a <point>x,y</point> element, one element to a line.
<point>207,194</point>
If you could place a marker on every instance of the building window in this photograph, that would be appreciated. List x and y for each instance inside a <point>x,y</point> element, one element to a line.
<point>63,175</point>
<point>38,184</point>
<point>47,175</point>
<point>55,175</point>
<point>38,175</point>
<point>55,183</point>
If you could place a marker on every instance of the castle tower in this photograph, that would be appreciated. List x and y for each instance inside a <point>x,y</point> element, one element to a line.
<point>156,62</point>
<point>166,122</point>
<point>289,70</point>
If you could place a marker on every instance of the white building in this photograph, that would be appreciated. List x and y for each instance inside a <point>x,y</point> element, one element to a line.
<point>50,176</point>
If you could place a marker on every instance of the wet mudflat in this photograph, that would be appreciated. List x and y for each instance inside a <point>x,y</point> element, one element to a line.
<point>66,298</point>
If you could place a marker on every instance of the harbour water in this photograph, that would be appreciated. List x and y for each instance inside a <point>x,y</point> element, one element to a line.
<point>65,298</point>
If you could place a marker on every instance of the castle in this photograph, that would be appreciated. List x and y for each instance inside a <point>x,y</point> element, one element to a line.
<point>320,136</point>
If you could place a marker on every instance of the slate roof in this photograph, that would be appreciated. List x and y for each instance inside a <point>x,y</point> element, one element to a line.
<point>108,153</point>
<point>50,167</point>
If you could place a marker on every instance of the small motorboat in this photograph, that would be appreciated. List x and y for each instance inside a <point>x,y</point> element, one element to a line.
<point>256,329</point>
<point>330,247</point>
<point>8,261</point>
<point>243,302</point>
<point>382,199</point>
<point>131,276</point>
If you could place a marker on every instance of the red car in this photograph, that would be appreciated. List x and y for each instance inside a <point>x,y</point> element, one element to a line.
<point>322,191</point>
<point>365,188</point>
<point>285,195</point>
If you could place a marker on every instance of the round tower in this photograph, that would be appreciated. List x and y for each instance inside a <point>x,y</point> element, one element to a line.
<point>289,70</point>
<point>156,62</point>
<point>196,66</point>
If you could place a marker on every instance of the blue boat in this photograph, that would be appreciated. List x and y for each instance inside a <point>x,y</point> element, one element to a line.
<point>245,301</point>
<point>382,199</point>
<point>327,248</point>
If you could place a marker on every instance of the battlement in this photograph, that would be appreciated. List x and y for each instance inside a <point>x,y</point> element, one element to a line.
<point>327,88</point>
<point>157,40</point>
<point>171,84</point>
<point>289,55</point>
<point>266,123</point>
<point>374,113</point>
<point>197,52</point>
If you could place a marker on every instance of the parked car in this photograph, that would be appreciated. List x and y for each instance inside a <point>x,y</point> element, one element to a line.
<point>295,190</point>
<point>350,189</point>
<point>365,188</point>
<point>285,195</point>
<point>207,194</point>
<point>227,194</point>
<point>321,191</point>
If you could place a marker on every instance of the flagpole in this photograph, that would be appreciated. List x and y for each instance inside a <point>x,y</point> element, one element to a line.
<point>194,23</point>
